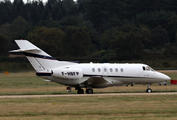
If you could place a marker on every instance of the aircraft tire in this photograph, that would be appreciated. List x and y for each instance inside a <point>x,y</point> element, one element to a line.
<point>149,90</point>
<point>89,91</point>
<point>80,91</point>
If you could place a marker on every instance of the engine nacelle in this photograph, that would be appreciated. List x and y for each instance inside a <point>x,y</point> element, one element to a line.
<point>67,73</point>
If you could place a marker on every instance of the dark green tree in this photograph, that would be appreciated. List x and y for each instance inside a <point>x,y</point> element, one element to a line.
<point>160,37</point>
<point>37,11</point>
<point>105,39</point>
<point>146,34</point>
<point>4,45</point>
<point>98,14</point>
<point>16,9</point>
<point>154,18</point>
<point>77,42</point>
<point>70,7</point>
<point>54,9</point>
<point>5,10</point>
<point>48,39</point>
<point>70,21</point>
<point>82,6</point>
<point>14,30</point>
<point>172,28</point>
<point>127,46</point>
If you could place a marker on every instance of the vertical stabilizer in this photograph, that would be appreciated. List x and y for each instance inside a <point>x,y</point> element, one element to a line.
<point>39,59</point>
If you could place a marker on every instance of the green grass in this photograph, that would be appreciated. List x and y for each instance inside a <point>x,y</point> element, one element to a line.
<point>89,107</point>
<point>173,77</point>
<point>27,83</point>
<point>95,107</point>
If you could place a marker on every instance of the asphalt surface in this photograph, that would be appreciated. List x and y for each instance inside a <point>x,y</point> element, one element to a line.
<point>85,95</point>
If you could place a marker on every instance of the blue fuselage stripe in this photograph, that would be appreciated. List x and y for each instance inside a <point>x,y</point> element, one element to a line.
<point>111,76</point>
<point>38,56</point>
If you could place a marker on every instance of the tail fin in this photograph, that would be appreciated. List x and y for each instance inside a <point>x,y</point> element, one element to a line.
<point>39,59</point>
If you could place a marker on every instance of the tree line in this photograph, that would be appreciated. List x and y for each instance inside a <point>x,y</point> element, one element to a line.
<point>107,29</point>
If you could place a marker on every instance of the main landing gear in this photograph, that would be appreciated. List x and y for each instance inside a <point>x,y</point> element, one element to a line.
<point>89,91</point>
<point>149,90</point>
<point>81,91</point>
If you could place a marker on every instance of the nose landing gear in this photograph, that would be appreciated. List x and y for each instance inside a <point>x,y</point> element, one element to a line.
<point>149,90</point>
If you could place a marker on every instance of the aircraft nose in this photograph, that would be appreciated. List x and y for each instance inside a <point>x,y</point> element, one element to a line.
<point>164,77</point>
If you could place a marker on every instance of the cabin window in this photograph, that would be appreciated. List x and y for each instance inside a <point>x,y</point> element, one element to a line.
<point>116,70</point>
<point>93,69</point>
<point>99,70</point>
<point>105,70</point>
<point>144,68</point>
<point>111,70</point>
<point>122,70</point>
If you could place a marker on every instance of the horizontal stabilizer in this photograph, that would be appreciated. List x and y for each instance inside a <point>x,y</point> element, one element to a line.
<point>26,50</point>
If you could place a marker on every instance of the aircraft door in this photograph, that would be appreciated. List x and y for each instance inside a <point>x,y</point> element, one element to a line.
<point>105,71</point>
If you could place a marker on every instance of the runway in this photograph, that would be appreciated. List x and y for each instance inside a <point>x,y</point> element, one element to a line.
<point>86,95</point>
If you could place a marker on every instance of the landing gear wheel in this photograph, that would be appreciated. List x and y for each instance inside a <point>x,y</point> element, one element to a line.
<point>80,91</point>
<point>89,91</point>
<point>149,90</point>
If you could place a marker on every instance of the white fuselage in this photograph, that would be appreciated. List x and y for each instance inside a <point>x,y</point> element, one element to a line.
<point>115,74</point>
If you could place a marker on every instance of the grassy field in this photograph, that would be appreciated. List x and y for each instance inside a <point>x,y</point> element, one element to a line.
<point>93,107</point>
<point>28,83</point>
<point>100,107</point>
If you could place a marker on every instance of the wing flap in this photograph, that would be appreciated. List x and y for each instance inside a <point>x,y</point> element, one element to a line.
<point>97,82</point>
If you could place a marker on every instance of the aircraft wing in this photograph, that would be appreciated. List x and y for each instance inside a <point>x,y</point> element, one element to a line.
<point>97,82</point>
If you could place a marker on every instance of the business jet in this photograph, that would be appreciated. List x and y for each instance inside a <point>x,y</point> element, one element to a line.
<point>88,75</point>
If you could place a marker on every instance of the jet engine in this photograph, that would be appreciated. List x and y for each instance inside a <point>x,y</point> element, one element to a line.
<point>67,73</point>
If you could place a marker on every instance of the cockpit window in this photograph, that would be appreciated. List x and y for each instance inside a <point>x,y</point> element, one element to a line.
<point>152,69</point>
<point>147,68</point>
